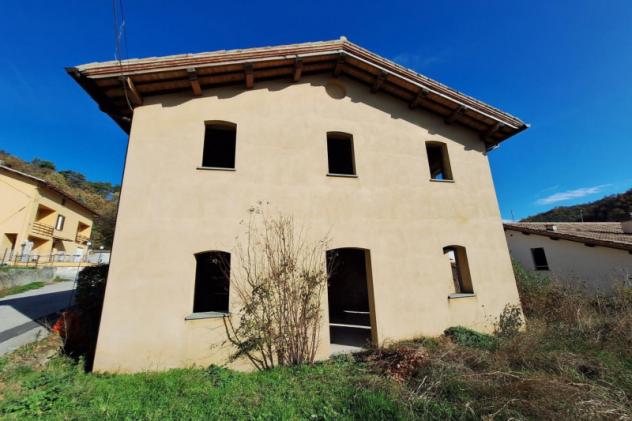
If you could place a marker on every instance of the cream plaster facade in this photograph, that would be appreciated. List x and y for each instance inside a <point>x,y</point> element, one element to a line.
<point>596,268</point>
<point>170,210</point>
<point>28,213</point>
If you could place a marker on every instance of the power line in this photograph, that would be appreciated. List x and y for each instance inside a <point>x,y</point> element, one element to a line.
<point>120,31</point>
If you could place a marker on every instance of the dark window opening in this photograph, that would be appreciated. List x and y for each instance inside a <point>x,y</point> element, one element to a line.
<point>539,259</point>
<point>348,296</point>
<point>59,225</point>
<point>460,269</point>
<point>219,145</point>
<point>340,154</point>
<point>438,161</point>
<point>212,282</point>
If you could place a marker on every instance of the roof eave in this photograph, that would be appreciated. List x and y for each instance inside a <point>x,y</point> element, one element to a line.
<point>497,125</point>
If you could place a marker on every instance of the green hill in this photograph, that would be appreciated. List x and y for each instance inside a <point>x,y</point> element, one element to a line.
<point>100,196</point>
<point>614,208</point>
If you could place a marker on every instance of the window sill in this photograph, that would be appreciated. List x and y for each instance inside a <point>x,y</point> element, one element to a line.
<point>342,175</point>
<point>435,180</point>
<point>215,169</point>
<point>207,315</point>
<point>461,295</point>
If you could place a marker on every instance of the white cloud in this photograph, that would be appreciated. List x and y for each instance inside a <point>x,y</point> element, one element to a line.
<point>571,194</point>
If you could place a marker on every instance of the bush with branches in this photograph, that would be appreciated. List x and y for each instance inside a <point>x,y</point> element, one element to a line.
<point>279,281</point>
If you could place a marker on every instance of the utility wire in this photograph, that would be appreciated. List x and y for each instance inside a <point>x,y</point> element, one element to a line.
<point>120,31</point>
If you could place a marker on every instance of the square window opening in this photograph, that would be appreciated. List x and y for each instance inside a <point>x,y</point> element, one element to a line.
<point>438,161</point>
<point>539,259</point>
<point>219,145</point>
<point>340,154</point>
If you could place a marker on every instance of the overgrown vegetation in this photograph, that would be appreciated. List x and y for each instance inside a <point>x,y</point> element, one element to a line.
<point>21,288</point>
<point>79,326</point>
<point>100,196</point>
<point>279,280</point>
<point>613,208</point>
<point>573,361</point>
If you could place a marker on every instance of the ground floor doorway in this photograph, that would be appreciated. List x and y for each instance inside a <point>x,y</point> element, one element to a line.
<point>350,297</point>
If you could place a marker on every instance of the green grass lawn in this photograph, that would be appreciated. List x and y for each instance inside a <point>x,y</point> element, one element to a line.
<point>61,390</point>
<point>21,288</point>
<point>531,376</point>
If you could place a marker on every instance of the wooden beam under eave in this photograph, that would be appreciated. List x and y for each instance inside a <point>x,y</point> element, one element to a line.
<point>489,133</point>
<point>298,69</point>
<point>452,117</point>
<point>132,94</point>
<point>418,98</point>
<point>250,75</point>
<point>379,81</point>
<point>195,83</point>
<point>339,65</point>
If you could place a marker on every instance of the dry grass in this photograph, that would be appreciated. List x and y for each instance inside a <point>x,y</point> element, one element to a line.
<point>574,360</point>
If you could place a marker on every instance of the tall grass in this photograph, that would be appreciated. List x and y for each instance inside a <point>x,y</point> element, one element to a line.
<point>573,360</point>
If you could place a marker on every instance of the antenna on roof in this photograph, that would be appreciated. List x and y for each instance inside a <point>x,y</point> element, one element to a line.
<point>118,13</point>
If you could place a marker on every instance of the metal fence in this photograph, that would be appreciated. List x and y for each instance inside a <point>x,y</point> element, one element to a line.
<point>55,259</point>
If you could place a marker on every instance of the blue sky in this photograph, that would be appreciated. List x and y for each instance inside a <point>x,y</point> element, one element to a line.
<point>565,67</point>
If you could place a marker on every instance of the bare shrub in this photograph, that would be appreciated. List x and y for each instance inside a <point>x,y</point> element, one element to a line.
<point>509,322</point>
<point>279,281</point>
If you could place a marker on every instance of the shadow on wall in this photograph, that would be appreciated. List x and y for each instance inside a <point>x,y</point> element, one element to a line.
<point>357,92</point>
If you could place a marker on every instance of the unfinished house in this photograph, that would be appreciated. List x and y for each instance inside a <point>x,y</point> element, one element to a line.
<point>390,164</point>
<point>39,223</point>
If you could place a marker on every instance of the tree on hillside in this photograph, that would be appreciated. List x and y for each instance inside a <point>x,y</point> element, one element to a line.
<point>612,208</point>
<point>43,164</point>
<point>73,178</point>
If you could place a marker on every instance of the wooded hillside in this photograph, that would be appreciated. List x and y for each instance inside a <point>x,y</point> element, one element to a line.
<point>614,208</point>
<point>100,196</point>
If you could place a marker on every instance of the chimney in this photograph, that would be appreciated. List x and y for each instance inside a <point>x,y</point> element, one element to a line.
<point>626,226</point>
<point>551,227</point>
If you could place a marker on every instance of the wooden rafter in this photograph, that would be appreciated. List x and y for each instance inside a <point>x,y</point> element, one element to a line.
<point>489,133</point>
<point>250,75</point>
<point>379,81</point>
<point>452,117</point>
<point>298,69</point>
<point>418,98</point>
<point>339,65</point>
<point>166,75</point>
<point>195,83</point>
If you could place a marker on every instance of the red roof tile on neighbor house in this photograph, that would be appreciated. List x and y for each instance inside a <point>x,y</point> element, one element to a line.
<point>606,234</point>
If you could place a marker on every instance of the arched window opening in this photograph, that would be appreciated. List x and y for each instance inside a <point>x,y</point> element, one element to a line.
<point>340,155</point>
<point>460,269</point>
<point>438,161</point>
<point>212,282</point>
<point>219,145</point>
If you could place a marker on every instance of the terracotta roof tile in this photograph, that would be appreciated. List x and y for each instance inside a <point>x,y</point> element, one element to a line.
<point>607,234</point>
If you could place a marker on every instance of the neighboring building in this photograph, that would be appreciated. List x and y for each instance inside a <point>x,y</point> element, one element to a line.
<point>390,164</point>
<point>40,222</point>
<point>595,255</point>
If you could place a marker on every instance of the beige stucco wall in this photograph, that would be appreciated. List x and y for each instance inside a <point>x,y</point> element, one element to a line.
<point>170,210</point>
<point>20,198</point>
<point>597,268</point>
<point>17,209</point>
<point>74,215</point>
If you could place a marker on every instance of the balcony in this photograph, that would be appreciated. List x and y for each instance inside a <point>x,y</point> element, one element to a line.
<point>42,230</point>
<point>82,239</point>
